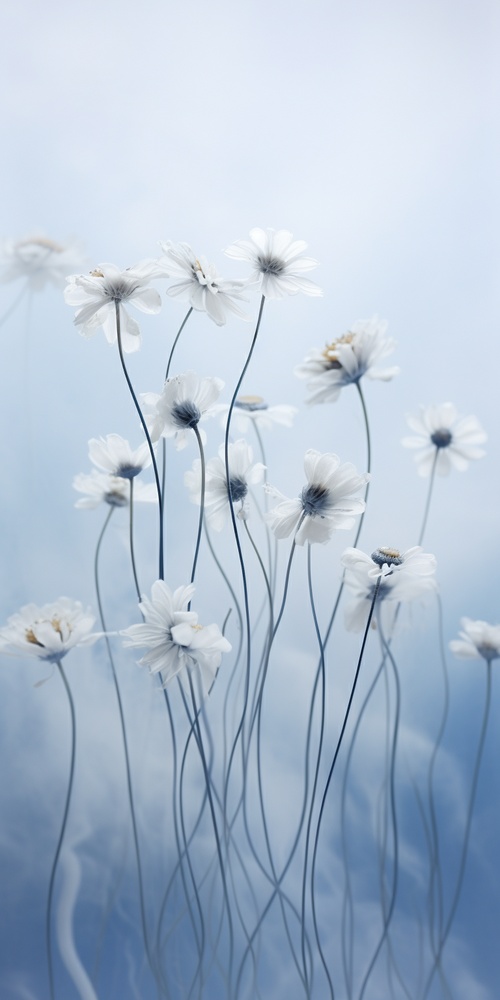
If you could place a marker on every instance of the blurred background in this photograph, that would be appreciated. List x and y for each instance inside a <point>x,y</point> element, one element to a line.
<point>370,130</point>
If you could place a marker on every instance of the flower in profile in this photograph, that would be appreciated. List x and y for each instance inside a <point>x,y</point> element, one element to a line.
<point>101,487</point>
<point>95,295</point>
<point>402,576</point>
<point>184,401</point>
<point>114,455</point>
<point>174,640</point>
<point>477,639</point>
<point>40,260</point>
<point>347,359</point>
<point>249,410</point>
<point>50,631</point>
<point>200,284</point>
<point>326,503</point>
<point>444,439</point>
<point>277,261</point>
<point>218,491</point>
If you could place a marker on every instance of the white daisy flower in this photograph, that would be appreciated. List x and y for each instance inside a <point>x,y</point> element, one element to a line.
<point>184,401</point>
<point>325,503</point>
<point>176,643</point>
<point>39,260</point>
<point>403,576</point>
<point>200,284</point>
<point>442,429</point>
<point>347,359</point>
<point>477,639</point>
<point>278,266</point>
<point>218,492</point>
<point>101,487</point>
<point>249,410</point>
<point>114,455</point>
<point>50,631</point>
<point>97,293</point>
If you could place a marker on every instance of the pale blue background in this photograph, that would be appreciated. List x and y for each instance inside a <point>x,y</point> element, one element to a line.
<point>369,130</point>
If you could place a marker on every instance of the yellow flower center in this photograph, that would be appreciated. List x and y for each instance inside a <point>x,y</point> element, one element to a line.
<point>390,553</point>
<point>97,273</point>
<point>56,625</point>
<point>250,400</point>
<point>41,241</point>
<point>330,351</point>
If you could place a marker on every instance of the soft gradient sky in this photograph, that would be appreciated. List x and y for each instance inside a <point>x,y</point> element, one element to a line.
<point>368,129</point>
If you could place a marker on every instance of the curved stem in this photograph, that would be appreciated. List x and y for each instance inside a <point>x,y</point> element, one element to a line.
<point>429,497</point>
<point>318,757</point>
<point>435,859</point>
<point>328,781</point>
<point>360,525</point>
<point>125,747</point>
<point>14,304</point>
<point>206,774</point>
<point>256,704</point>
<point>368,456</point>
<point>239,549</point>
<point>202,503</point>
<point>392,799</point>
<point>131,540</point>
<point>48,928</point>
<point>146,434</point>
<point>465,846</point>
<point>176,340</point>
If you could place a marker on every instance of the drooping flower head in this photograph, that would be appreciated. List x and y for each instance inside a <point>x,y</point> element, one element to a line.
<point>445,439</point>
<point>326,502</point>
<point>403,576</point>
<point>114,455</point>
<point>254,410</point>
<point>184,401</point>
<point>347,359</point>
<point>219,492</point>
<point>477,639</point>
<point>174,640</point>
<point>101,487</point>
<point>200,284</point>
<point>277,262</point>
<point>39,260</point>
<point>50,631</point>
<point>95,295</point>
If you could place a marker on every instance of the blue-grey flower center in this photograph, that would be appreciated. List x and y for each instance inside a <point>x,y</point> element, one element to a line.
<point>251,403</point>
<point>118,289</point>
<point>128,471</point>
<point>442,438</point>
<point>314,499</point>
<point>115,499</point>
<point>488,651</point>
<point>186,414</point>
<point>237,489</point>
<point>270,265</point>
<point>387,557</point>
